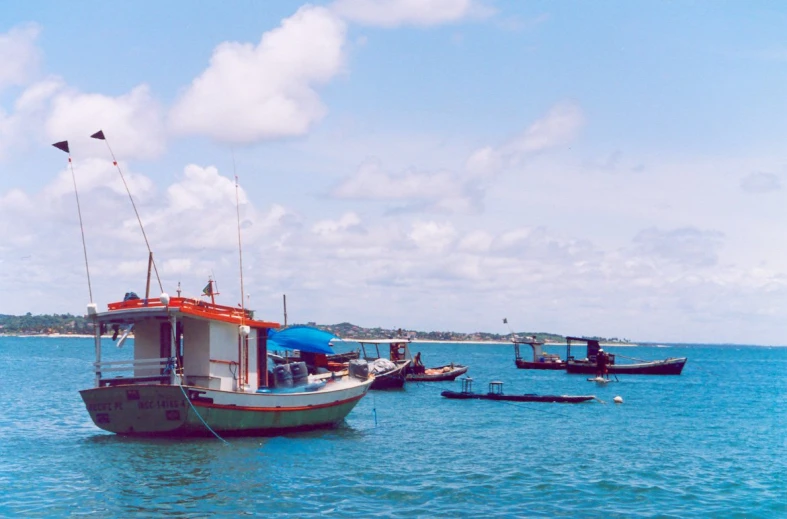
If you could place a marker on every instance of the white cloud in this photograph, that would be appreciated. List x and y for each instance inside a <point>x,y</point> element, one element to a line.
<point>760,182</point>
<point>559,126</point>
<point>434,236</point>
<point>132,122</point>
<point>327,227</point>
<point>393,13</point>
<point>461,191</point>
<point>30,111</point>
<point>685,246</point>
<point>249,93</point>
<point>19,55</point>
<point>93,174</point>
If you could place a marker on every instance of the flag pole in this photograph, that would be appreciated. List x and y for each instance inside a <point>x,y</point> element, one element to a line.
<point>63,145</point>
<point>100,136</point>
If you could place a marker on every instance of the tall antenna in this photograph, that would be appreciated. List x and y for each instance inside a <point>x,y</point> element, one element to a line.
<point>240,248</point>
<point>100,136</point>
<point>63,145</point>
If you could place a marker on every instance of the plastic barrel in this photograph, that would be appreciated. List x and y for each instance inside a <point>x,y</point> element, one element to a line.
<point>359,368</point>
<point>300,373</point>
<point>282,375</point>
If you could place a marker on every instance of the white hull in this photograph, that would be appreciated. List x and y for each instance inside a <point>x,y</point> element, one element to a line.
<point>165,409</point>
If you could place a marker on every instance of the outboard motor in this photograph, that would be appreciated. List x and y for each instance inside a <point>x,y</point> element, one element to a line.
<point>359,369</point>
<point>300,373</point>
<point>282,375</point>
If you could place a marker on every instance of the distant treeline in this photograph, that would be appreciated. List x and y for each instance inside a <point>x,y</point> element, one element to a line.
<point>65,324</point>
<point>29,324</point>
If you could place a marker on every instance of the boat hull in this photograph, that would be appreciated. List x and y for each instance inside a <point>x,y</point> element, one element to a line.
<point>522,364</point>
<point>658,367</point>
<point>171,410</point>
<point>564,399</point>
<point>393,379</point>
<point>440,377</point>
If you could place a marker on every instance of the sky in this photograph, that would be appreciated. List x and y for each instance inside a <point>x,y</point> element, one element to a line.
<point>614,169</point>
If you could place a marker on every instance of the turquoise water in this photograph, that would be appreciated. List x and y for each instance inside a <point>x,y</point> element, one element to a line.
<point>709,443</point>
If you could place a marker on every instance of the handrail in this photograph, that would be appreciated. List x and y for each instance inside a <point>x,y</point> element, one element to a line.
<point>132,361</point>
<point>130,365</point>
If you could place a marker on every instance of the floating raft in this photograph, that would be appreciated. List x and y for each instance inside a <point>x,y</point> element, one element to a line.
<point>496,393</point>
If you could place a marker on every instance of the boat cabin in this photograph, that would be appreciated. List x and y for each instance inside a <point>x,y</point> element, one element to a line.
<point>539,355</point>
<point>186,341</point>
<point>593,348</point>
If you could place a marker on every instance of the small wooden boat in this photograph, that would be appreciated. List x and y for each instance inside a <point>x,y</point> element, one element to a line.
<point>445,373</point>
<point>541,360</point>
<point>392,378</point>
<point>391,371</point>
<point>496,393</point>
<point>589,365</point>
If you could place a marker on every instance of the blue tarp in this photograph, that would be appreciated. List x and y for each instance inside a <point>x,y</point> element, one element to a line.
<point>303,338</point>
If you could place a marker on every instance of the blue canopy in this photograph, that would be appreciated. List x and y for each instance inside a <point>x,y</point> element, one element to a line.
<point>303,338</point>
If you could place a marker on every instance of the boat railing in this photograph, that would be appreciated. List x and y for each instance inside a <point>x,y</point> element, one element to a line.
<point>136,371</point>
<point>195,307</point>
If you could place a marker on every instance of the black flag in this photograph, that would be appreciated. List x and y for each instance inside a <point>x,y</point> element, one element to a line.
<point>62,145</point>
<point>99,135</point>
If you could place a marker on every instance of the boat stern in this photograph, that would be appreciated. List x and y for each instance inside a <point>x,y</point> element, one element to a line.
<point>137,409</point>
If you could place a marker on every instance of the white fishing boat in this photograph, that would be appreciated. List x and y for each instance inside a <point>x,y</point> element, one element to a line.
<point>200,367</point>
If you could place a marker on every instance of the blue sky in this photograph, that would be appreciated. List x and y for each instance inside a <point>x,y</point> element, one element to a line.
<point>605,168</point>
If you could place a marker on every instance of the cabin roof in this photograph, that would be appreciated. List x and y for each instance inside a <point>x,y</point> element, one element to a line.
<point>137,309</point>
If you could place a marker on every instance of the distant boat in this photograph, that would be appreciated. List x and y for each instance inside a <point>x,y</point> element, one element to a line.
<point>201,367</point>
<point>541,360</point>
<point>445,373</point>
<point>496,393</point>
<point>669,366</point>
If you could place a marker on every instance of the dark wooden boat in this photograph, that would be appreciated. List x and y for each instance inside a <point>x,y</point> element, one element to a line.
<point>496,393</point>
<point>540,360</point>
<point>393,379</point>
<point>588,365</point>
<point>440,374</point>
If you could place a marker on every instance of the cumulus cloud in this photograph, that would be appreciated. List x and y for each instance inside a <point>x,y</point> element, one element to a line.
<point>31,109</point>
<point>249,93</point>
<point>558,127</point>
<point>93,174</point>
<point>132,122</point>
<point>685,246</point>
<point>433,235</point>
<point>461,191</point>
<point>19,55</point>
<point>440,191</point>
<point>393,13</point>
<point>347,221</point>
<point>760,182</point>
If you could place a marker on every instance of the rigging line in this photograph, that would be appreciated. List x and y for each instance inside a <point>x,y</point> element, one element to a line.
<point>179,378</point>
<point>100,135</point>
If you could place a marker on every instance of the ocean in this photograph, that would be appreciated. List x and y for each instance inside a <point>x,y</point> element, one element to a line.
<point>711,442</point>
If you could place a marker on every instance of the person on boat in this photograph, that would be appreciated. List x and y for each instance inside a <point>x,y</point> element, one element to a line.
<point>601,364</point>
<point>418,366</point>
